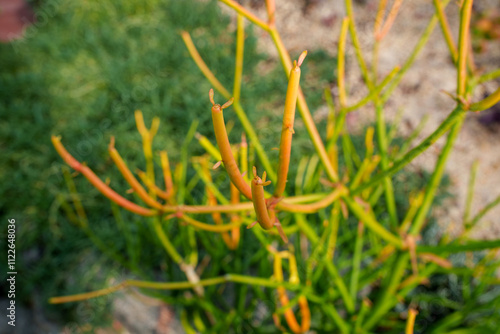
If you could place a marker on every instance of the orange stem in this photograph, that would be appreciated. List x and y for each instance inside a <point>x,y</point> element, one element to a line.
<point>287,129</point>
<point>259,201</point>
<point>153,187</point>
<point>225,148</point>
<point>129,177</point>
<point>283,298</point>
<point>235,232</point>
<point>390,20</point>
<point>236,6</point>
<point>212,201</point>
<point>314,207</point>
<point>167,173</point>
<point>96,182</point>
<point>290,204</point>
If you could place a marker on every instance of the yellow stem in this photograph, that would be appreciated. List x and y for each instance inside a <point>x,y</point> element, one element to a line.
<point>465,16</point>
<point>208,227</point>
<point>167,173</point>
<point>203,67</point>
<point>390,20</point>
<point>341,63</point>
<point>225,150</point>
<point>240,44</point>
<point>287,128</point>
<point>129,177</point>
<point>304,109</point>
<point>410,323</point>
<point>241,10</point>
<point>97,183</point>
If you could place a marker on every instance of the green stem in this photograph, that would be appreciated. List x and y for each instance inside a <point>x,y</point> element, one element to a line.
<point>344,293</point>
<point>384,162</point>
<point>463,48</point>
<point>337,319</point>
<point>445,27</point>
<point>374,92</point>
<point>240,45</point>
<point>470,192</point>
<point>254,139</point>
<point>411,59</point>
<point>355,42</point>
<point>169,248</point>
<point>452,118</point>
<point>483,211</point>
<point>436,178</point>
<point>304,110</point>
<point>356,262</point>
<point>384,303</point>
<point>371,223</point>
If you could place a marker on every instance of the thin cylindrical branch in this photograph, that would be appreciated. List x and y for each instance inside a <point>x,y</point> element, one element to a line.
<point>237,106</point>
<point>411,58</point>
<point>372,224</point>
<point>256,281</point>
<point>266,219</point>
<point>96,182</point>
<point>209,227</point>
<point>212,200</point>
<point>291,204</point>
<point>355,42</point>
<point>240,45</point>
<point>463,48</point>
<point>167,173</point>
<point>208,146</point>
<point>374,92</point>
<point>129,177</point>
<point>304,111</point>
<point>259,201</point>
<point>225,148</point>
<point>390,20</point>
<point>80,211</point>
<point>487,102</point>
<point>341,63</point>
<point>271,10</point>
<point>483,211</point>
<point>470,192</point>
<point>410,323</point>
<point>356,262</point>
<point>153,187</point>
<point>445,27</point>
<point>314,207</point>
<point>235,232</point>
<point>380,16</point>
<point>243,11</point>
<point>287,129</point>
<point>202,66</point>
<point>283,298</point>
<point>455,116</point>
<point>436,177</point>
<point>235,199</point>
<point>147,141</point>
